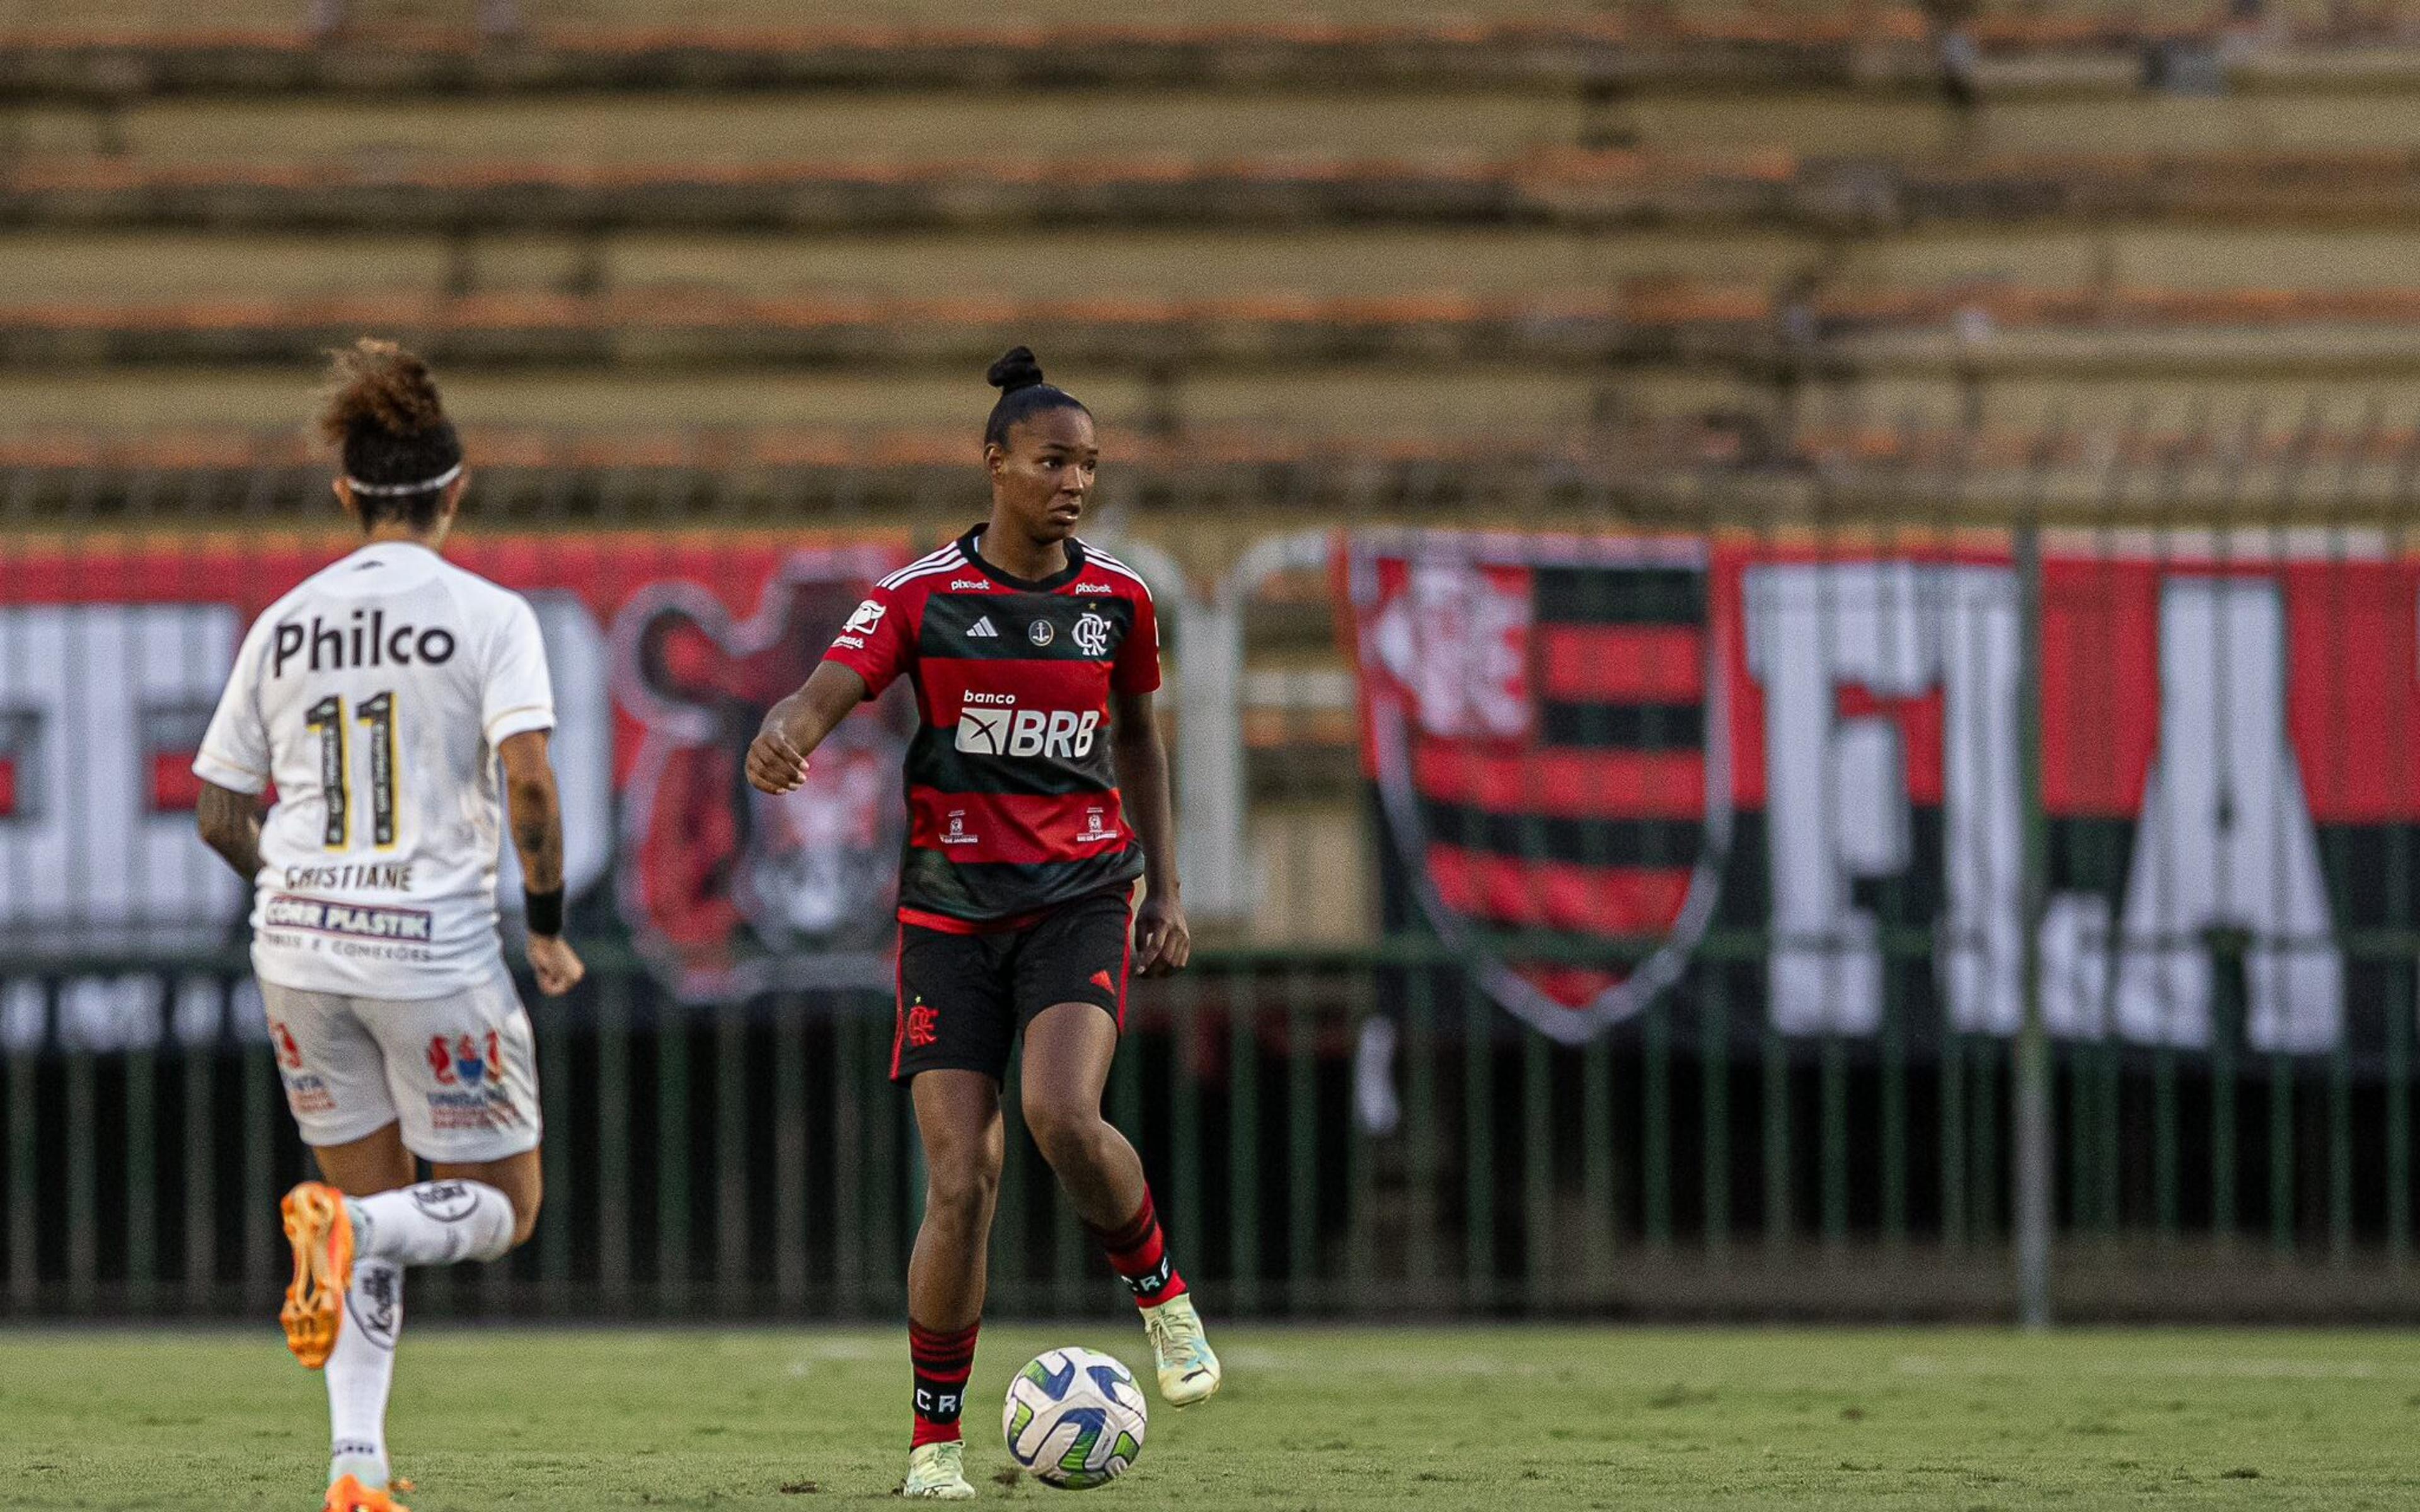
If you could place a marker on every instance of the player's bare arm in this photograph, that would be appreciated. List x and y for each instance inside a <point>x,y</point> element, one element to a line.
<point>537,817</point>
<point>230,824</point>
<point>777,759</point>
<point>1162,942</point>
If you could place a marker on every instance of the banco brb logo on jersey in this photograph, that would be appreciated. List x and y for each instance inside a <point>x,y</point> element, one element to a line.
<point>992,724</point>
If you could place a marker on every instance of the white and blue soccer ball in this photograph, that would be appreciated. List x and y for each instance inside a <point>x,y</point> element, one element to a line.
<point>1075,1418</point>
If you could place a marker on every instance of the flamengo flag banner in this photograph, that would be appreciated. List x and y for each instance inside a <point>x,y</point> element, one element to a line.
<point>1544,726</point>
<point>1625,742</point>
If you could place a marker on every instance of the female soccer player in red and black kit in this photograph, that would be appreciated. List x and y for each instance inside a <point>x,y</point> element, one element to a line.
<point>1033,656</point>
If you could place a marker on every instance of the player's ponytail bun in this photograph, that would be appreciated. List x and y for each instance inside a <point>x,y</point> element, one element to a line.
<point>384,417</point>
<point>1017,376</point>
<point>1016,369</point>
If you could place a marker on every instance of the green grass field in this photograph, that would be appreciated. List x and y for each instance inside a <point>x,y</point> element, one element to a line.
<point>1312,1418</point>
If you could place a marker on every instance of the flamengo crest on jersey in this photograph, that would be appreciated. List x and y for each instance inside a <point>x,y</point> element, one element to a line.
<point>1012,791</point>
<point>373,697</point>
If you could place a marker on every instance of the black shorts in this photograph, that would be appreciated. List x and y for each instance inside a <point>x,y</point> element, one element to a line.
<point>964,998</point>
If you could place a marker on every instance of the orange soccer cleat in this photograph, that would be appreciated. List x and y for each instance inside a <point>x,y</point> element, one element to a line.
<point>321,1232</point>
<point>350,1495</point>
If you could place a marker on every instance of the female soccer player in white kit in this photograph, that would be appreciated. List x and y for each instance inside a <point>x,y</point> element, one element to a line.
<point>380,697</point>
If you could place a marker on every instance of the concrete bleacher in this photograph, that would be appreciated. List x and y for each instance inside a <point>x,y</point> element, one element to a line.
<point>735,215</point>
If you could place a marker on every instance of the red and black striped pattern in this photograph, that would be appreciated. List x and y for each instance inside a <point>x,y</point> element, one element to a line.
<point>1138,1252</point>
<point>942,1360</point>
<point>1594,827</point>
<point>1012,793</point>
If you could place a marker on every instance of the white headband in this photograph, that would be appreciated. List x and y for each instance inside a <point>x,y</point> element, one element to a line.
<point>389,490</point>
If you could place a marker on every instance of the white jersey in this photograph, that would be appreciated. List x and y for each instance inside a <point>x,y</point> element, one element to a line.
<point>374,695</point>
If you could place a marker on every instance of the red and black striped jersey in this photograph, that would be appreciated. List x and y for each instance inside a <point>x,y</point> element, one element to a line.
<point>1012,796</point>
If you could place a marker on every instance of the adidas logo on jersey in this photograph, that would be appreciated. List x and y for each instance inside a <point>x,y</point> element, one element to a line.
<point>982,629</point>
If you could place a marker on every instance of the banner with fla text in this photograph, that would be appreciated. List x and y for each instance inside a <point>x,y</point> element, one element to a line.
<point>1593,753</point>
<point>665,652</point>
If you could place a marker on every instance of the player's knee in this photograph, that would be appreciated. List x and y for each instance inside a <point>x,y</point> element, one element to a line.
<point>1064,1129</point>
<point>960,1183</point>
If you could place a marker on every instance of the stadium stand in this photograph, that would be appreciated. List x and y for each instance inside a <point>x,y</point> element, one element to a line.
<point>628,194</point>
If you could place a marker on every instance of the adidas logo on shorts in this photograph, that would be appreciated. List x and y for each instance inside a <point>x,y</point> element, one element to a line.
<point>981,627</point>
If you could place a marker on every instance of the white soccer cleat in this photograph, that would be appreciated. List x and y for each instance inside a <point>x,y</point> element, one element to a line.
<point>1188,1371</point>
<point>938,1472</point>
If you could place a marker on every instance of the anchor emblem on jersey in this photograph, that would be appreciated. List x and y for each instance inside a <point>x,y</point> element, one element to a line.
<point>1040,632</point>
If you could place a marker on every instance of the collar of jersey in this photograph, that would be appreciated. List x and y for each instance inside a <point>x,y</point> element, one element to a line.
<point>1059,580</point>
<point>421,547</point>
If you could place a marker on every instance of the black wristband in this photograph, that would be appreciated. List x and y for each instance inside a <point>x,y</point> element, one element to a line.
<point>545,911</point>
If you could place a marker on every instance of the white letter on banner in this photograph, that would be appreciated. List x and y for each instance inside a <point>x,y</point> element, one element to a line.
<point>1836,806</point>
<point>2226,837</point>
<point>1979,945</point>
<point>89,694</point>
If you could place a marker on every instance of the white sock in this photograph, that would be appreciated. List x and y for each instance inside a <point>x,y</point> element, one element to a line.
<point>360,1369</point>
<point>435,1223</point>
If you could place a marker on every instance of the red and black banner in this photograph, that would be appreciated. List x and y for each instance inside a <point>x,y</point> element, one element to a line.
<point>1593,753</point>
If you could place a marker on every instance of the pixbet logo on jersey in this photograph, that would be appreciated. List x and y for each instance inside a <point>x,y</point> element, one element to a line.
<point>990,724</point>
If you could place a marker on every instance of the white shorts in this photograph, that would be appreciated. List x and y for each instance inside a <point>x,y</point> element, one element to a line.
<point>460,1073</point>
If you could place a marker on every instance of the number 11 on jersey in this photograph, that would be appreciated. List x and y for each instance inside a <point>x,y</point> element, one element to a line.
<point>327,717</point>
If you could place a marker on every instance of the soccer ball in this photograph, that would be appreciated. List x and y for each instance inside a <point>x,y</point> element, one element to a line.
<point>1075,1418</point>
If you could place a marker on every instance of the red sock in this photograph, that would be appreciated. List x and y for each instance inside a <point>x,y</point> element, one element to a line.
<point>943,1360</point>
<point>1139,1254</point>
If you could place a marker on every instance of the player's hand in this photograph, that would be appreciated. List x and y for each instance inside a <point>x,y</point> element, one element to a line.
<point>557,964</point>
<point>1162,943</point>
<point>774,765</point>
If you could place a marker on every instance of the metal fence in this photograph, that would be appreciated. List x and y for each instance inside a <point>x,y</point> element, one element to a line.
<point>1815,1111</point>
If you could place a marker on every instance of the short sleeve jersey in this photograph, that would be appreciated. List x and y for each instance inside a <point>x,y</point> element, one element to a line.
<point>374,697</point>
<point>1012,794</point>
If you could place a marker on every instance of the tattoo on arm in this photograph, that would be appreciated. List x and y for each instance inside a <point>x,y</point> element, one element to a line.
<point>230,824</point>
<point>537,829</point>
<point>537,834</point>
<point>536,811</point>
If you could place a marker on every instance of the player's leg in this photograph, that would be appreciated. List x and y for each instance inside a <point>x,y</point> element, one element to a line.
<point>360,1362</point>
<point>460,1073</point>
<point>1069,1047</point>
<point>382,1200</point>
<point>958,1119</point>
<point>952,1047</point>
<point>341,1309</point>
<point>1067,1051</point>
